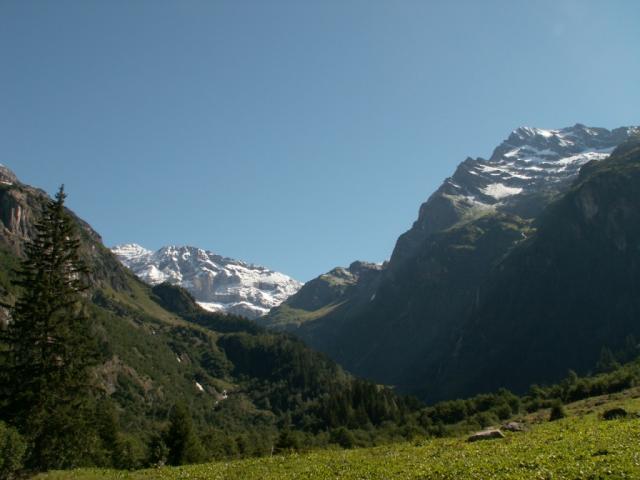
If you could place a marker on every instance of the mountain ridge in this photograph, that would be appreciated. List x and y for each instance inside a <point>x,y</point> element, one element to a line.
<point>520,176</point>
<point>218,283</point>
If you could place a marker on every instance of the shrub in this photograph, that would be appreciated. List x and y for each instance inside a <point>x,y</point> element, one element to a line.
<point>287,441</point>
<point>12,449</point>
<point>503,411</point>
<point>557,411</point>
<point>343,437</point>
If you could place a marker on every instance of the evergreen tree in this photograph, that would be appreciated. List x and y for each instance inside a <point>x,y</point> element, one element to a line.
<point>183,444</point>
<point>46,387</point>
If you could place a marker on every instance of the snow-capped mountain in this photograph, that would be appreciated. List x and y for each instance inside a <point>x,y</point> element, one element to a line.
<point>520,177</point>
<point>529,160</point>
<point>217,283</point>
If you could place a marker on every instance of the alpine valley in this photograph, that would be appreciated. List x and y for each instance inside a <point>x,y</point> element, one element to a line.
<point>518,268</point>
<point>247,391</point>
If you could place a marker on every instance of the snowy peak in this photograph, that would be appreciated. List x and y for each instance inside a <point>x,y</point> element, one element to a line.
<point>130,252</point>
<point>562,142</point>
<point>218,283</point>
<point>523,173</point>
<point>531,160</point>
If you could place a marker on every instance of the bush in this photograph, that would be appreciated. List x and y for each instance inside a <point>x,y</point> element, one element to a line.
<point>287,441</point>
<point>557,411</point>
<point>12,449</point>
<point>614,413</point>
<point>129,453</point>
<point>503,411</point>
<point>343,437</point>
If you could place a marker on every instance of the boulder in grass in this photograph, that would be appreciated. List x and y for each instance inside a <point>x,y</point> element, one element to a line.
<point>513,427</point>
<point>488,434</point>
<point>614,413</point>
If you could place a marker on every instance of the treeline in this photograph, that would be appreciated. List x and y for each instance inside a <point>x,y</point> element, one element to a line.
<point>480,411</point>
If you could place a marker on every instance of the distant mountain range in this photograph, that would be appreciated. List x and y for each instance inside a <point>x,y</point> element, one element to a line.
<point>217,283</point>
<point>470,300</point>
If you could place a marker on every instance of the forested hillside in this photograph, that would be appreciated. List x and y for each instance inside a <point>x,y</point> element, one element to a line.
<point>161,359</point>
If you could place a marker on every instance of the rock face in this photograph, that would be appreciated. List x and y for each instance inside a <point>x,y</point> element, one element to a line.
<point>217,283</point>
<point>523,173</point>
<point>7,176</point>
<point>513,427</point>
<point>20,207</point>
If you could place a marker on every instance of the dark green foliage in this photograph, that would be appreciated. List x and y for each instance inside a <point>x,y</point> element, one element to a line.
<point>614,413</point>
<point>158,451</point>
<point>557,411</point>
<point>12,450</point>
<point>181,440</point>
<point>343,437</point>
<point>178,300</point>
<point>484,409</point>
<point>287,441</point>
<point>119,450</point>
<point>575,388</point>
<point>46,389</point>
<point>360,405</point>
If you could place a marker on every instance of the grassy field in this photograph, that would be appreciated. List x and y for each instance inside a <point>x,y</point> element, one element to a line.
<point>581,446</point>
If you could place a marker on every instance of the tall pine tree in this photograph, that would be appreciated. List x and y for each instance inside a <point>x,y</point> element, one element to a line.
<point>46,386</point>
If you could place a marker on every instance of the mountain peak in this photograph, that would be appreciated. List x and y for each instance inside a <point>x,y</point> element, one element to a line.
<point>7,176</point>
<point>563,141</point>
<point>130,251</point>
<point>531,165</point>
<point>218,283</point>
<point>525,132</point>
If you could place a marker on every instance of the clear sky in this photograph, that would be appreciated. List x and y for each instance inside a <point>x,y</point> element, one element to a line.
<point>295,134</point>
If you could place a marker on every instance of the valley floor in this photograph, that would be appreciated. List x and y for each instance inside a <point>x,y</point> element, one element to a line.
<point>581,446</point>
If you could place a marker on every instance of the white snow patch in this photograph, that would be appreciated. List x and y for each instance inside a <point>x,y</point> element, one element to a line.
<point>498,190</point>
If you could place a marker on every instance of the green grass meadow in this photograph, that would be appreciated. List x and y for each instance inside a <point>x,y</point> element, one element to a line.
<point>581,446</point>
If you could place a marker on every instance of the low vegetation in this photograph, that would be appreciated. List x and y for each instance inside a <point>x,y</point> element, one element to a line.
<point>582,446</point>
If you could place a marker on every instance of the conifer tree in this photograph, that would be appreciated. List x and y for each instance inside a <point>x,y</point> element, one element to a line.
<point>46,387</point>
<point>181,439</point>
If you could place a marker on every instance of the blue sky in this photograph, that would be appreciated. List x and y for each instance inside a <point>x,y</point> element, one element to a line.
<point>295,134</point>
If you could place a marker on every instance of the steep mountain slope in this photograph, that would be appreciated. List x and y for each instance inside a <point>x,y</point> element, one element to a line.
<point>564,294</point>
<point>523,172</point>
<point>333,293</point>
<point>520,178</point>
<point>218,283</point>
<point>403,325</point>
